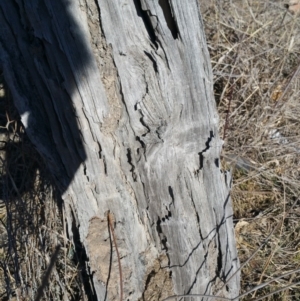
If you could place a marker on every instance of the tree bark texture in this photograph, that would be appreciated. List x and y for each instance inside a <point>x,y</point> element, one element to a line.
<point>117,96</point>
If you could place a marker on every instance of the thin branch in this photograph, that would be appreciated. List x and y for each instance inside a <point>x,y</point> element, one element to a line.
<point>175,297</point>
<point>47,275</point>
<point>264,243</point>
<point>268,282</point>
<point>110,222</point>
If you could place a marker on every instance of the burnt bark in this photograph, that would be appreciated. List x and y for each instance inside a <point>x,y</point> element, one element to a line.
<point>117,97</point>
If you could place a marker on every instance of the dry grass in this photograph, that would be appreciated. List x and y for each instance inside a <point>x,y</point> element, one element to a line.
<point>254,48</point>
<point>31,223</point>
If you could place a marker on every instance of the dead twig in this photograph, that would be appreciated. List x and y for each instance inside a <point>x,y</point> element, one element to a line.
<point>110,223</point>
<point>47,275</point>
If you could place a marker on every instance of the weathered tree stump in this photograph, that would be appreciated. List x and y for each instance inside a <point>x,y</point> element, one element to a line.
<point>117,96</point>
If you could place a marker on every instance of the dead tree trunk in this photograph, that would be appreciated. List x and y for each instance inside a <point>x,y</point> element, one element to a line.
<point>117,96</point>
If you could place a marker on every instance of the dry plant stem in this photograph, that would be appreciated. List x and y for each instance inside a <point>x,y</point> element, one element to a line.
<point>13,184</point>
<point>231,88</point>
<point>230,97</point>
<point>267,283</point>
<point>228,112</point>
<point>265,241</point>
<point>65,237</point>
<point>275,249</point>
<point>275,292</point>
<point>47,275</point>
<point>111,226</point>
<point>175,297</point>
<point>266,266</point>
<point>288,85</point>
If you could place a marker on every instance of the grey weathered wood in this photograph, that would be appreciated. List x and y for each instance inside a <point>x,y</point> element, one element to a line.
<point>118,98</point>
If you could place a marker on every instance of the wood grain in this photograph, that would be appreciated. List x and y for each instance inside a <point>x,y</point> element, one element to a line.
<point>119,102</point>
